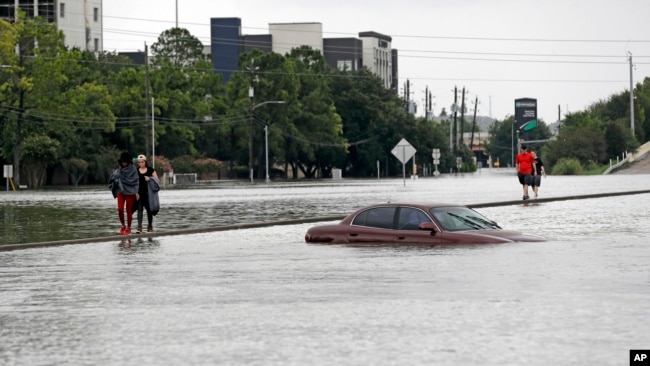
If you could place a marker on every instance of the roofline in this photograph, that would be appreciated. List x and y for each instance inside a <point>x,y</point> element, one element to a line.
<point>376,35</point>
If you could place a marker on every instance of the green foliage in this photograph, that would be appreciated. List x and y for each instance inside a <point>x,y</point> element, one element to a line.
<point>183,164</point>
<point>76,169</point>
<point>586,145</point>
<point>162,165</point>
<point>96,105</point>
<point>178,47</point>
<point>38,153</point>
<point>567,166</point>
<point>102,163</point>
<point>501,145</point>
<point>207,168</point>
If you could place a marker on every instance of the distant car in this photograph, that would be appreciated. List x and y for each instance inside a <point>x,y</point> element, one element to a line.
<point>416,224</point>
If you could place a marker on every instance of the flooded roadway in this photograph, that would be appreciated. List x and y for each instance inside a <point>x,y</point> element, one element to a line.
<point>264,297</point>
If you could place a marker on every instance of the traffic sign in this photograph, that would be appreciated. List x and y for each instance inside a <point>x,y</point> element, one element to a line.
<point>403,151</point>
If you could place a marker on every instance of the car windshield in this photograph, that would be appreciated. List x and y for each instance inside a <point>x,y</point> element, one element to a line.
<point>461,218</point>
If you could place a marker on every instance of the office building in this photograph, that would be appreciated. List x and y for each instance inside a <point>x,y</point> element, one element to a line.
<point>371,49</point>
<point>79,20</point>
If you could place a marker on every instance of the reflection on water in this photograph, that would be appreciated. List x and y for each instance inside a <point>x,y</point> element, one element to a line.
<point>264,297</point>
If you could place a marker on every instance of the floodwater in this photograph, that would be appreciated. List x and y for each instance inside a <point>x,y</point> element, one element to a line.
<point>264,297</point>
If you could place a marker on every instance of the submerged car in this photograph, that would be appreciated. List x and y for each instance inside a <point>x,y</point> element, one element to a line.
<point>416,224</point>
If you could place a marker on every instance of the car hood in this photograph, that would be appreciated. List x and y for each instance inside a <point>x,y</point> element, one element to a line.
<point>512,235</point>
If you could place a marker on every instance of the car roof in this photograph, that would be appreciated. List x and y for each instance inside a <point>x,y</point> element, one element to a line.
<point>422,205</point>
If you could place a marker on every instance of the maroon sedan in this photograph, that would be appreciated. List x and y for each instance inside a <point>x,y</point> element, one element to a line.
<point>420,224</point>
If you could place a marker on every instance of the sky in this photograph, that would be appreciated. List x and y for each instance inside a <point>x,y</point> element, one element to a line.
<point>567,54</point>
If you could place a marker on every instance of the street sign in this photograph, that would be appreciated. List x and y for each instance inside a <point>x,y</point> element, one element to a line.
<point>436,160</point>
<point>525,114</point>
<point>403,151</point>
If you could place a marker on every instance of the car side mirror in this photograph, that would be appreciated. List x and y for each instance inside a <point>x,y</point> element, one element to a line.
<point>427,226</point>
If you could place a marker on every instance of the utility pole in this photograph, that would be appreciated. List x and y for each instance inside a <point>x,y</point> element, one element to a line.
<point>426,103</point>
<point>462,119</point>
<point>146,98</point>
<point>250,133</point>
<point>455,121</point>
<point>559,120</point>
<point>251,96</point>
<point>631,97</point>
<point>18,139</point>
<point>471,140</point>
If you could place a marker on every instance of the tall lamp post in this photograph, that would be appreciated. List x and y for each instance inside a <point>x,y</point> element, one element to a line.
<point>8,169</point>
<point>266,142</point>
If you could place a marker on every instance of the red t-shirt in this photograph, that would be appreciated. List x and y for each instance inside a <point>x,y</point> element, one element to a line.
<point>525,162</point>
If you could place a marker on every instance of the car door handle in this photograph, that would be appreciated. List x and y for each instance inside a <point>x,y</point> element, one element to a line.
<point>401,237</point>
<point>353,234</point>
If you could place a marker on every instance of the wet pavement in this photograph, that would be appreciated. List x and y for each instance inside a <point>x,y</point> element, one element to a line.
<point>264,297</point>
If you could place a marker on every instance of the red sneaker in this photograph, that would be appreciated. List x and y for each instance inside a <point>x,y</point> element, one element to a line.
<point>122,230</point>
<point>127,231</point>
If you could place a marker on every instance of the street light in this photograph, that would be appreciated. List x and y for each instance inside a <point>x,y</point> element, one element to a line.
<point>266,142</point>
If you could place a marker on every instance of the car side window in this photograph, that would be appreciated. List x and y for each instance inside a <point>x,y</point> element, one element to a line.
<point>410,218</point>
<point>379,217</point>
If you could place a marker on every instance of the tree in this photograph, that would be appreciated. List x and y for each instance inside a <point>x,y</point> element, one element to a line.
<point>587,145</point>
<point>38,153</point>
<point>76,169</point>
<point>317,124</point>
<point>373,122</point>
<point>178,47</point>
<point>186,90</point>
<point>270,78</point>
<point>38,44</point>
<point>501,144</point>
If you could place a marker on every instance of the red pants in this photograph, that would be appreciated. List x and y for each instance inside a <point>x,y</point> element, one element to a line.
<point>125,200</point>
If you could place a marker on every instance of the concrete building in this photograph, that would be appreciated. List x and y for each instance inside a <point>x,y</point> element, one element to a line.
<point>378,56</point>
<point>79,20</point>
<point>372,50</point>
<point>343,53</point>
<point>286,36</point>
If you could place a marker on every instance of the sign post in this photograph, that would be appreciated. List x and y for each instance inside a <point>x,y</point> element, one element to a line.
<point>8,172</point>
<point>403,151</point>
<point>525,119</point>
<point>436,160</point>
<point>525,114</point>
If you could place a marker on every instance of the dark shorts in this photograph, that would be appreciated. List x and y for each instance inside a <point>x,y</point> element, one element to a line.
<point>537,180</point>
<point>525,179</point>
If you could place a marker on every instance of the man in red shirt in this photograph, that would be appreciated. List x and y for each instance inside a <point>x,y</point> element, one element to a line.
<point>525,163</point>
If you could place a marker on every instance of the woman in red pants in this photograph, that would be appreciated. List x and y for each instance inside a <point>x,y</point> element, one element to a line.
<point>124,184</point>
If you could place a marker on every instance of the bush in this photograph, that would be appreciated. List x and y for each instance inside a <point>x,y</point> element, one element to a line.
<point>162,165</point>
<point>567,166</point>
<point>183,164</point>
<point>207,168</point>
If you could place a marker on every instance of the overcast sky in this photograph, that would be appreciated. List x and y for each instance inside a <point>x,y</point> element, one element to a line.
<point>565,53</point>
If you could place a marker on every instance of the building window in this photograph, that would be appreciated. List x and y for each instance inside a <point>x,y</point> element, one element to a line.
<point>96,14</point>
<point>344,65</point>
<point>96,41</point>
<point>62,10</point>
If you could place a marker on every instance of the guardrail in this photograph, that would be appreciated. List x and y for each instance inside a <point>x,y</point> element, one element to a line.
<point>628,157</point>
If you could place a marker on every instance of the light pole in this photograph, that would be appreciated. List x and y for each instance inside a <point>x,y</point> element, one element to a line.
<point>266,151</point>
<point>266,143</point>
<point>631,97</point>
